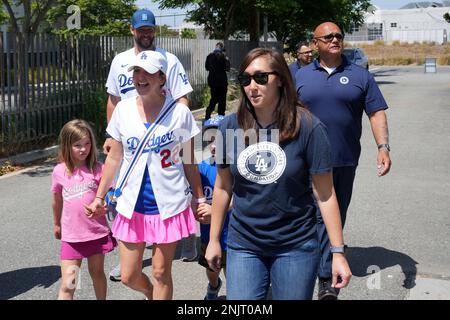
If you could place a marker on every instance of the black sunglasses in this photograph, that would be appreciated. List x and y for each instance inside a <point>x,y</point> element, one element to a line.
<point>244,78</point>
<point>331,36</point>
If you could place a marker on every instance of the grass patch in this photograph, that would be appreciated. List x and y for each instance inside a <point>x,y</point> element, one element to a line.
<point>444,60</point>
<point>400,53</point>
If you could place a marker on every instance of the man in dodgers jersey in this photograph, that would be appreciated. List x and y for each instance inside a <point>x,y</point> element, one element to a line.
<point>120,86</point>
<point>120,81</point>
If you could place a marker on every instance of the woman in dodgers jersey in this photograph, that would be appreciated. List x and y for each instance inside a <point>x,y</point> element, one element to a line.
<point>272,237</point>
<point>155,205</point>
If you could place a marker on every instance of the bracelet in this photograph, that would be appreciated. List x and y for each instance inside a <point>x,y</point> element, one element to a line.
<point>199,200</point>
<point>384,145</point>
<point>97,197</point>
<point>338,249</point>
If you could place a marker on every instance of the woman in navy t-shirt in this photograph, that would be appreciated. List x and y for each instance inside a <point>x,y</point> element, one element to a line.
<point>267,155</point>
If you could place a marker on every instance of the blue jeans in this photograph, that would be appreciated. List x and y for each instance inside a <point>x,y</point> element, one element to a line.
<point>343,178</point>
<point>292,273</point>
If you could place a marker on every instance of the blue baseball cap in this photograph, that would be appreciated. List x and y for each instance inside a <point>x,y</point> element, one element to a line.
<point>143,18</point>
<point>213,122</point>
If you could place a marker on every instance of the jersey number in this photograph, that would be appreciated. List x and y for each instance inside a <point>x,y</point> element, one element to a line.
<point>166,155</point>
<point>165,162</point>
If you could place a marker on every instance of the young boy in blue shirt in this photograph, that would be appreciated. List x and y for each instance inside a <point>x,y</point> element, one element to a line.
<point>208,172</point>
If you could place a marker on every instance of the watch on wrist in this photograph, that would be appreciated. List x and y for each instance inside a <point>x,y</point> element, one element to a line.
<point>384,145</point>
<point>338,249</point>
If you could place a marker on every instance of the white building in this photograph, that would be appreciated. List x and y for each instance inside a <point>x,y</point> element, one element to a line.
<point>415,22</point>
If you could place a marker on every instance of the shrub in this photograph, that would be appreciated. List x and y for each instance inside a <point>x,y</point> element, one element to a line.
<point>444,60</point>
<point>94,112</point>
<point>206,96</point>
<point>6,167</point>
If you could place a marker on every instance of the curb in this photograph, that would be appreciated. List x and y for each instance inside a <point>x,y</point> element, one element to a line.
<point>31,156</point>
<point>52,151</point>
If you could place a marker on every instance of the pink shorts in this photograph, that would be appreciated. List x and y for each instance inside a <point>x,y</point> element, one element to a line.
<point>80,250</point>
<point>150,228</point>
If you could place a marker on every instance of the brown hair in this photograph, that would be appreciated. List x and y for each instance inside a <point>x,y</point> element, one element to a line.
<point>70,133</point>
<point>289,109</point>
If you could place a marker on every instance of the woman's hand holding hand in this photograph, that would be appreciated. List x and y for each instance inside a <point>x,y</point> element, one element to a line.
<point>95,209</point>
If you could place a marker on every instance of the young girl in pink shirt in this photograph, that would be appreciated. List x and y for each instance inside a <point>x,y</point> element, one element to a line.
<point>75,180</point>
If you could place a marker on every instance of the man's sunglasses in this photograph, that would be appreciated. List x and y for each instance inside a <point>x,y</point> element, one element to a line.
<point>244,78</point>
<point>331,36</point>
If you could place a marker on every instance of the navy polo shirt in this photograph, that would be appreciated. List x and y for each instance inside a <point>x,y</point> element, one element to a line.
<point>293,68</point>
<point>273,204</point>
<point>338,100</point>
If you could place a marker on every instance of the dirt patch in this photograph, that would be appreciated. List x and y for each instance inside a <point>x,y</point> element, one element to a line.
<point>406,54</point>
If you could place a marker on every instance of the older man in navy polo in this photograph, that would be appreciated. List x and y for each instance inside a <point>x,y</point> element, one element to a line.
<point>338,92</point>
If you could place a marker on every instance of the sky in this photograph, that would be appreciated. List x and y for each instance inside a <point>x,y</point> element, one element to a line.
<point>170,17</point>
<point>391,4</point>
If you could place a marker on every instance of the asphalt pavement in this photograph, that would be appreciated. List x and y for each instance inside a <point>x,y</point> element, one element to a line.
<point>398,226</point>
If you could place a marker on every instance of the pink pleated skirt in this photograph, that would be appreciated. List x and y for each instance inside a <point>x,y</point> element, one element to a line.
<point>81,250</point>
<point>150,228</point>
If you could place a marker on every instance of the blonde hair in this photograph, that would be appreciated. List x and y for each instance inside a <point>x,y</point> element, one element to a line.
<point>72,132</point>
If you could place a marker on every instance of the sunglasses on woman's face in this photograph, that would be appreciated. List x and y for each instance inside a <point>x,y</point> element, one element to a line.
<point>244,78</point>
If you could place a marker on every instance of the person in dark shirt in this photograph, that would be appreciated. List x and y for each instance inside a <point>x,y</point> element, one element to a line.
<point>217,64</point>
<point>304,57</point>
<point>267,154</point>
<point>338,92</point>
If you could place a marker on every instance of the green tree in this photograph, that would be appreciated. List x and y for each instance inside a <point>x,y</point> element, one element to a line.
<point>34,12</point>
<point>290,20</point>
<point>98,17</point>
<point>23,27</point>
<point>3,16</point>
<point>188,34</point>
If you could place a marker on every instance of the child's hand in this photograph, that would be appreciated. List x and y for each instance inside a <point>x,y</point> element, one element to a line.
<point>57,232</point>
<point>194,207</point>
<point>204,213</point>
<point>95,209</point>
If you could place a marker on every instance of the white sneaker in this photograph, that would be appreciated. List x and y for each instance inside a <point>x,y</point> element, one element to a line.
<point>114,274</point>
<point>189,248</point>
